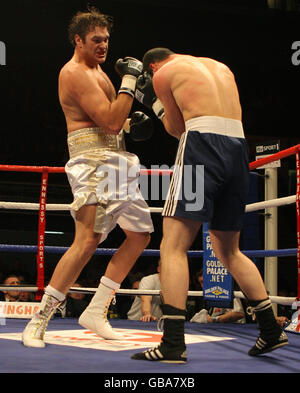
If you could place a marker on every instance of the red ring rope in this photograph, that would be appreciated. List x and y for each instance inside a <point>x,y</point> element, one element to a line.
<point>253,165</point>
<point>274,157</point>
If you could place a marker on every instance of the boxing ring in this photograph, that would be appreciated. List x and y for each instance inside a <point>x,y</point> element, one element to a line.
<point>211,347</point>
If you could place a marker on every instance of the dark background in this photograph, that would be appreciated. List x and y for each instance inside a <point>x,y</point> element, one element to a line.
<point>253,38</point>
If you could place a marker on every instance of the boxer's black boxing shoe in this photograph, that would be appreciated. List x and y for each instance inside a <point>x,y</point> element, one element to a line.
<point>263,346</point>
<point>162,354</point>
<point>271,335</point>
<point>172,348</point>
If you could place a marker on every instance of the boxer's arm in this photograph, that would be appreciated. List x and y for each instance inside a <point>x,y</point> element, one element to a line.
<point>172,120</point>
<point>108,115</point>
<point>126,125</point>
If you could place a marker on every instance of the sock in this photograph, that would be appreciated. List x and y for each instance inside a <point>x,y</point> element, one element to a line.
<point>265,318</point>
<point>255,303</point>
<point>173,336</point>
<point>55,293</point>
<point>110,283</point>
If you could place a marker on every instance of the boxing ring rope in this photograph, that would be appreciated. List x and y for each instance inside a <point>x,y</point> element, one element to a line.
<point>64,207</point>
<point>286,301</point>
<point>41,249</point>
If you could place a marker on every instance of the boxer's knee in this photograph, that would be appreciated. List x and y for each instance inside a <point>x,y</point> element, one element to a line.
<point>87,244</point>
<point>140,239</point>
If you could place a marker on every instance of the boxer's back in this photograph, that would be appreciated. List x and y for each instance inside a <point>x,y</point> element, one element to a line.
<point>202,87</point>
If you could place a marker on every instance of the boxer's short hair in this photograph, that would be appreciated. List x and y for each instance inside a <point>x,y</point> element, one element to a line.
<point>84,22</point>
<point>155,55</point>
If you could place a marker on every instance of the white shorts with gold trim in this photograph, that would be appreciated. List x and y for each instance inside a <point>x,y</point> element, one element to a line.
<point>108,178</point>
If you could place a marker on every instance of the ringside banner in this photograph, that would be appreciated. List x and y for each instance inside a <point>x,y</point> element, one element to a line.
<point>266,149</point>
<point>24,310</point>
<point>217,281</point>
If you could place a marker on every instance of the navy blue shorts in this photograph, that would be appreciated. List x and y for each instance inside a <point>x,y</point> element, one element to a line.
<point>210,180</point>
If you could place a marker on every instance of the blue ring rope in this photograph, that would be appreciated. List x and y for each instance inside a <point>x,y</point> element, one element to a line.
<point>147,252</point>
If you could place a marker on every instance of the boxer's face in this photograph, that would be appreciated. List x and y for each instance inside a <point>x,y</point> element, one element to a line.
<point>95,46</point>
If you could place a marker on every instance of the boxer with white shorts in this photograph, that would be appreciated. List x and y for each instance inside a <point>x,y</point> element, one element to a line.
<point>99,159</point>
<point>95,117</point>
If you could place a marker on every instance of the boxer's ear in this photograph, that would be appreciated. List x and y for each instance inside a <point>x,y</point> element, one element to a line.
<point>153,67</point>
<point>78,40</point>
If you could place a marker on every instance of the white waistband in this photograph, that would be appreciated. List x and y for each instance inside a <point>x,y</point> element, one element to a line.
<point>216,125</point>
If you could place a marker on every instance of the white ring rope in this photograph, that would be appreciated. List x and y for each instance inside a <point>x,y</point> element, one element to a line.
<point>63,207</point>
<point>284,301</point>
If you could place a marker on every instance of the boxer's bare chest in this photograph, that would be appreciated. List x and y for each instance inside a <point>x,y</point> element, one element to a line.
<point>105,84</point>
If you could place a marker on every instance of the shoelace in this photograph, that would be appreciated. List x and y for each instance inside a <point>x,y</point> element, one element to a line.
<point>44,316</point>
<point>250,311</point>
<point>112,300</point>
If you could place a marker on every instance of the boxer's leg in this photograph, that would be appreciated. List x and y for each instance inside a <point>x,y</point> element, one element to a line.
<point>125,257</point>
<point>95,315</point>
<point>82,249</point>
<point>226,248</point>
<point>65,274</point>
<point>178,235</point>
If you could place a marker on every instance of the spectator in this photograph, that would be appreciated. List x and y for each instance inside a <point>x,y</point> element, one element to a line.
<point>25,296</point>
<point>222,315</point>
<point>76,303</point>
<point>123,303</point>
<point>11,296</point>
<point>198,286</point>
<point>135,280</point>
<point>225,315</point>
<point>146,307</point>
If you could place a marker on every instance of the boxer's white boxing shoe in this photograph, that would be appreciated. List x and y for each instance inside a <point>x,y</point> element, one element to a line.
<point>94,317</point>
<point>33,334</point>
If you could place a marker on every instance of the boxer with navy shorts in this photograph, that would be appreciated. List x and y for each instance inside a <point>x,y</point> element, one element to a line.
<point>225,188</point>
<point>198,102</point>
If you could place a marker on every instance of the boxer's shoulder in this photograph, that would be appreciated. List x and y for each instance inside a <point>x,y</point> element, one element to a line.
<point>72,70</point>
<point>75,77</point>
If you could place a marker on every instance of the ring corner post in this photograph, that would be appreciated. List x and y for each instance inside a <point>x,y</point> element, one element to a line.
<point>40,259</point>
<point>271,234</point>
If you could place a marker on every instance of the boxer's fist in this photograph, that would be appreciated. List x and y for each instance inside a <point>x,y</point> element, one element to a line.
<point>129,69</point>
<point>144,90</point>
<point>145,94</point>
<point>129,66</point>
<point>141,127</point>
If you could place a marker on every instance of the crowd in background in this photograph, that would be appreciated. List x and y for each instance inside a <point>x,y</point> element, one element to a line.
<point>144,308</point>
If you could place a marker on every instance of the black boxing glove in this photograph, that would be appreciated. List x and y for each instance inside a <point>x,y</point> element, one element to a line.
<point>145,94</point>
<point>129,69</point>
<point>141,127</point>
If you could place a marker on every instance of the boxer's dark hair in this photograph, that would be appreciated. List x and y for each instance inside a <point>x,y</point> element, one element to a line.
<point>84,22</point>
<point>155,55</point>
